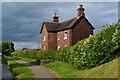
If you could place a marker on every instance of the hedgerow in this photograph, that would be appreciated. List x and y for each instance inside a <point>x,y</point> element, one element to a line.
<point>43,54</point>
<point>87,53</point>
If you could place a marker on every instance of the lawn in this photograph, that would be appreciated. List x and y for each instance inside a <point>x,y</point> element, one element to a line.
<point>66,70</point>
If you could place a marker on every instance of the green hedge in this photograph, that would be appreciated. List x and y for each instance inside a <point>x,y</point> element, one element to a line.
<point>87,53</point>
<point>43,54</point>
<point>95,50</point>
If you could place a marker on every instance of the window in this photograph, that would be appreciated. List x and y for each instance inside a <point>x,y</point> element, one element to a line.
<point>44,47</point>
<point>58,48</point>
<point>65,35</point>
<point>44,37</point>
<point>65,46</point>
<point>58,36</point>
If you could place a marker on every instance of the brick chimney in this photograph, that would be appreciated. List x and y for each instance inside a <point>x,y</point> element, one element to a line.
<point>81,10</point>
<point>55,17</point>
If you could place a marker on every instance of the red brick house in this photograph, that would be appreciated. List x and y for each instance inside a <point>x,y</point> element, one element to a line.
<point>25,49</point>
<point>56,35</point>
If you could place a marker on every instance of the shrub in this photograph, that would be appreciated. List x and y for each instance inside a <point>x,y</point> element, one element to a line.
<point>43,54</point>
<point>7,47</point>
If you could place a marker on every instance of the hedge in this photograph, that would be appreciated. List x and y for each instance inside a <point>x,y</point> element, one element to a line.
<point>43,54</point>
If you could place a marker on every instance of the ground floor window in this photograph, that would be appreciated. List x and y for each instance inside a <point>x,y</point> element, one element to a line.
<point>44,47</point>
<point>65,46</point>
<point>65,35</point>
<point>58,47</point>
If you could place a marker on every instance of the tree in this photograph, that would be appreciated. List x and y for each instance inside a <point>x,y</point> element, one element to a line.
<point>6,47</point>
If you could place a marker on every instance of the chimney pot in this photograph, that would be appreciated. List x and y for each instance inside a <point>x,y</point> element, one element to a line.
<point>55,17</point>
<point>81,10</point>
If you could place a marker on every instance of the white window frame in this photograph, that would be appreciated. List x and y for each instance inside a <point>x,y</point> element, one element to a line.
<point>65,46</point>
<point>65,35</point>
<point>44,37</point>
<point>44,47</point>
<point>58,36</point>
<point>58,48</point>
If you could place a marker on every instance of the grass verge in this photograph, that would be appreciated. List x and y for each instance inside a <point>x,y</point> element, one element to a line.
<point>19,71</point>
<point>26,59</point>
<point>66,70</point>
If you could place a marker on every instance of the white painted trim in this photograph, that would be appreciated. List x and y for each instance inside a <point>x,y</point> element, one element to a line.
<point>58,47</point>
<point>65,35</point>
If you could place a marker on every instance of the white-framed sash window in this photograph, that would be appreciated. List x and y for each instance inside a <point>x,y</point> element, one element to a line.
<point>44,37</point>
<point>58,47</point>
<point>44,47</point>
<point>65,35</point>
<point>58,36</point>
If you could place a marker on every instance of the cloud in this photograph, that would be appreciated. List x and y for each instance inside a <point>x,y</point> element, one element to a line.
<point>30,45</point>
<point>23,20</point>
<point>119,9</point>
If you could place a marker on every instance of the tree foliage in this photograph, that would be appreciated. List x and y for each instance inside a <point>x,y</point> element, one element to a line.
<point>6,47</point>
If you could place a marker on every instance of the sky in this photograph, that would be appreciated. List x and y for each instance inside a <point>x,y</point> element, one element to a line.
<point>22,21</point>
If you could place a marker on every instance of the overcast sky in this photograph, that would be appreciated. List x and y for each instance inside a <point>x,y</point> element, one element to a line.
<point>22,21</point>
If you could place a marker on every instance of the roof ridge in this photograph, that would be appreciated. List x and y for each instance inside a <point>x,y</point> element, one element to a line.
<point>68,19</point>
<point>62,21</point>
<point>52,22</point>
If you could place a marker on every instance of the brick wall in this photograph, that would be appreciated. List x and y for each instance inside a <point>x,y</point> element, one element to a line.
<point>52,41</point>
<point>81,30</point>
<point>44,43</point>
<point>64,42</point>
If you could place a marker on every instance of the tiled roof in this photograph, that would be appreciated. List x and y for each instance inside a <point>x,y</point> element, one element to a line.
<point>55,27</point>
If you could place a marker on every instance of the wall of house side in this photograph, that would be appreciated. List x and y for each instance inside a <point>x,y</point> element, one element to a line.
<point>44,43</point>
<point>67,42</point>
<point>81,30</point>
<point>52,41</point>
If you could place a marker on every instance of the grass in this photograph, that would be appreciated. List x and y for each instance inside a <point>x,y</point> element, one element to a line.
<point>66,70</point>
<point>26,59</point>
<point>18,70</point>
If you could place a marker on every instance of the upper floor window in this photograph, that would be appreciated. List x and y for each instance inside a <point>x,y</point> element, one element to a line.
<point>44,37</point>
<point>65,35</point>
<point>58,36</point>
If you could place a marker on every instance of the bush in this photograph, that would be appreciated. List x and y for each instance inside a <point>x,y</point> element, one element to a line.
<point>97,49</point>
<point>43,54</point>
<point>7,47</point>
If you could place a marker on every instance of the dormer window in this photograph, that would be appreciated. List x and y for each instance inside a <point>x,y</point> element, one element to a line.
<point>44,37</point>
<point>65,35</point>
<point>58,36</point>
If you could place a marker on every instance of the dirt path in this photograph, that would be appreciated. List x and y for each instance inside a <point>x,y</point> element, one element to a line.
<point>38,71</point>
